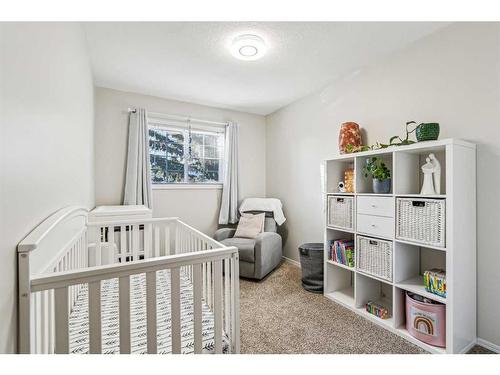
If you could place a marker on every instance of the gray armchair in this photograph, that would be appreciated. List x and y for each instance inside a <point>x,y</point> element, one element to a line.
<point>258,256</point>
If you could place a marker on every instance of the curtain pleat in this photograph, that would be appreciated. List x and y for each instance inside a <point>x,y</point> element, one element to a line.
<point>229,203</point>
<point>138,175</point>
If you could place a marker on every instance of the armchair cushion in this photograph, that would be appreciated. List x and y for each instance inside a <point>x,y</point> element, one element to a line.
<point>250,225</point>
<point>246,247</point>
<point>223,233</point>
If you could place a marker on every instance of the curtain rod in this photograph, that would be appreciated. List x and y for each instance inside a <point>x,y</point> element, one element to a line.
<point>181,118</point>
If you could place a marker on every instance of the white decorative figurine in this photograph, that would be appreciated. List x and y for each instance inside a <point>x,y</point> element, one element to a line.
<point>437,173</point>
<point>428,185</point>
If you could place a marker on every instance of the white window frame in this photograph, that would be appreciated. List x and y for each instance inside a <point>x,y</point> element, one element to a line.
<point>169,124</point>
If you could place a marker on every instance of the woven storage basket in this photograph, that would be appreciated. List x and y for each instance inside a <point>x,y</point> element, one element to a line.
<point>374,257</point>
<point>421,220</point>
<point>341,212</point>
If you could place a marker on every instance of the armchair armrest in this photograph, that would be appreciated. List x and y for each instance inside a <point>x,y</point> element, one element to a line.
<point>223,233</point>
<point>268,253</point>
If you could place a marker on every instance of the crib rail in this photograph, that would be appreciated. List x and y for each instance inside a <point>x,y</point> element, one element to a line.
<point>121,250</point>
<point>217,258</point>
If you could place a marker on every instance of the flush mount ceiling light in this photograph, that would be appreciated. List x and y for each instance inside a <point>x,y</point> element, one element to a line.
<point>248,47</point>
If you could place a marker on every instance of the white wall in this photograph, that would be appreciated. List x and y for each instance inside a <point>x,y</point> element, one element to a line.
<point>451,77</point>
<point>46,140</point>
<point>198,207</point>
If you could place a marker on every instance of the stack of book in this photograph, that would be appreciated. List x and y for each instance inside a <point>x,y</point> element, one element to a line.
<point>341,251</point>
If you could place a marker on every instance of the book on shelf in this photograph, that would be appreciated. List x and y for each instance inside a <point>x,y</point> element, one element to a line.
<point>341,251</point>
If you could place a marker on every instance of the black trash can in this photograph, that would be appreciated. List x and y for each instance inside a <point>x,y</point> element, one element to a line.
<point>311,263</point>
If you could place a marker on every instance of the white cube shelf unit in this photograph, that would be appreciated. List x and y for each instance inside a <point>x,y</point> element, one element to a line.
<point>374,216</point>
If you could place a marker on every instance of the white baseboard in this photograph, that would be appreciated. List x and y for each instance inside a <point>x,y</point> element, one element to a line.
<point>488,345</point>
<point>292,262</point>
<point>468,347</point>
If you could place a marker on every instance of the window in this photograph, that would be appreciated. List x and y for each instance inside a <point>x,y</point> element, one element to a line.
<point>179,154</point>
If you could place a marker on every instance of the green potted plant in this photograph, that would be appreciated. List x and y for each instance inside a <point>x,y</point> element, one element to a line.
<point>381,175</point>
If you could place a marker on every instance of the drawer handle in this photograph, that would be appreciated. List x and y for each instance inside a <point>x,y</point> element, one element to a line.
<point>374,205</point>
<point>373,225</point>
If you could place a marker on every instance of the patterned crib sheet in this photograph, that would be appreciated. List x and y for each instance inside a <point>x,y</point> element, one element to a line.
<point>79,324</point>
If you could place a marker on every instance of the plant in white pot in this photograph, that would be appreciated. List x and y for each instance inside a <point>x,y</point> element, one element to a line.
<point>381,175</point>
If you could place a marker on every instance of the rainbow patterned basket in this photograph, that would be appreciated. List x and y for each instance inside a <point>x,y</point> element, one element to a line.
<point>426,319</point>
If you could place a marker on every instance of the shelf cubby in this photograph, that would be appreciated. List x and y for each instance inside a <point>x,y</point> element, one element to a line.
<point>371,289</point>
<point>339,234</point>
<point>410,263</point>
<point>333,234</point>
<point>408,172</point>
<point>335,173</point>
<point>340,284</point>
<point>400,322</point>
<point>364,184</point>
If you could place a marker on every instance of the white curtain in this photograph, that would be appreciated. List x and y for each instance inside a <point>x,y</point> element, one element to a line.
<point>229,204</point>
<point>138,177</point>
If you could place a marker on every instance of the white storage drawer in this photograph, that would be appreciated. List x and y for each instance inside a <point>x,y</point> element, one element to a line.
<point>379,226</point>
<point>380,206</point>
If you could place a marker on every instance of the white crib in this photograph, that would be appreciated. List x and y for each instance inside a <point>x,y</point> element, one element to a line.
<point>142,286</point>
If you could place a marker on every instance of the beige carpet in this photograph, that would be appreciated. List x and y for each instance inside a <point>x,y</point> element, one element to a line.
<point>278,316</point>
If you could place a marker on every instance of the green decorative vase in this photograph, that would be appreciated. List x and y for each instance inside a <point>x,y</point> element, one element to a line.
<point>427,131</point>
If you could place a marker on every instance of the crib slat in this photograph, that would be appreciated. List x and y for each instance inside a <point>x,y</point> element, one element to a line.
<point>235,303</point>
<point>204,280</point>
<point>176,310</point>
<point>209,285</point>
<point>124,290</point>
<point>176,248</point>
<point>85,252</point>
<point>95,317</point>
<point>45,321</point>
<point>123,244</point>
<point>37,307</point>
<point>172,228</point>
<point>157,241</point>
<point>151,311</point>
<point>218,305</point>
<point>227,301</point>
<point>130,242</point>
<point>167,240</point>
<point>147,241</point>
<point>135,241</point>
<point>98,247</point>
<point>61,320</point>
<point>197,299</point>
<point>111,244</point>
<point>51,322</point>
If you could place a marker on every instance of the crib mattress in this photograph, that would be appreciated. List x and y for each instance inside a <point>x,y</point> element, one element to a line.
<point>79,324</point>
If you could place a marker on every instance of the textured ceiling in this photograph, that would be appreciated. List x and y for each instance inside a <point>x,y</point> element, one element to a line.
<point>190,61</point>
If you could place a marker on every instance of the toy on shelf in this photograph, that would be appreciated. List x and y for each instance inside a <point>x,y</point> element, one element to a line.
<point>435,281</point>
<point>378,310</point>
